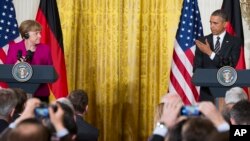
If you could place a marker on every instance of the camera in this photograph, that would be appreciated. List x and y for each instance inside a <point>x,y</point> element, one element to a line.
<point>190,110</point>
<point>42,111</point>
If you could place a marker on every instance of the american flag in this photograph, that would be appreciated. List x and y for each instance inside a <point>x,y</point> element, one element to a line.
<point>189,29</point>
<point>8,27</point>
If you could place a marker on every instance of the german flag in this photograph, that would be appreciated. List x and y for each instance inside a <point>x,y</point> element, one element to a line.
<point>234,26</point>
<point>48,17</point>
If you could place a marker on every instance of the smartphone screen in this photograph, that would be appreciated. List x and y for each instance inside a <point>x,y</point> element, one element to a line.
<point>190,111</point>
<point>41,112</point>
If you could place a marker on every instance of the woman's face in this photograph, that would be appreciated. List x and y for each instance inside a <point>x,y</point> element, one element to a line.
<point>34,37</point>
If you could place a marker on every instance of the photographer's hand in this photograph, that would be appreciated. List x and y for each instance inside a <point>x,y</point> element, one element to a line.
<point>171,109</point>
<point>56,118</point>
<point>28,112</point>
<point>210,111</point>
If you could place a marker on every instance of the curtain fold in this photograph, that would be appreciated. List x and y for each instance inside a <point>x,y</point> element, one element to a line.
<point>120,53</point>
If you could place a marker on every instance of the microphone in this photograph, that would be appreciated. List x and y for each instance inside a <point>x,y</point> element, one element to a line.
<point>19,55</point>
<point>29,56</point>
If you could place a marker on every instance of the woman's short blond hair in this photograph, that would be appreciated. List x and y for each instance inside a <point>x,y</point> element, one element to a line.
<point>29,25</point>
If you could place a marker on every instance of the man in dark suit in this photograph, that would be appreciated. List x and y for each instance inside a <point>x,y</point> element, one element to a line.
<point>216,50</point>
<point>85,131</point>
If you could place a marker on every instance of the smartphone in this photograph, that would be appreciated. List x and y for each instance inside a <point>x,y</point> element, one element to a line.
<point>190,110</point>
<point>42,111</point>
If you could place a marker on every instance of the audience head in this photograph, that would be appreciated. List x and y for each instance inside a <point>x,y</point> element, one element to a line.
<point>29,130</point>
<point>66,101</point>
<point>21,99</point>
<point>240,113</point>
<point>234,95</point>
<point>79,99</point>
<point>226,112</point>
<point>218,136</point>
<point>175,132</point>
<point>8,102</point>
<point>197,129</point>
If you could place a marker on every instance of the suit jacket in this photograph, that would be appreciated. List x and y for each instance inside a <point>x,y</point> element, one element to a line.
<point>229,52</point>
<point>230,49</point>
<point>85,131</point>
<point>42,56</point>
<point>3,125</point>
<point>5,133</point>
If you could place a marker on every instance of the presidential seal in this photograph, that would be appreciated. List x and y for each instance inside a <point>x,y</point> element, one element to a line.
<point>22,71</point>
<point>227,76</point>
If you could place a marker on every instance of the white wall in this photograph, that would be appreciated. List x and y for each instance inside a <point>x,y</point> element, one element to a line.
<point>206,8</point>
<point>25,9</point>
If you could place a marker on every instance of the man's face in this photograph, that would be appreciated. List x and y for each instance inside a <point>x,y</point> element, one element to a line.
<point>217,25</point>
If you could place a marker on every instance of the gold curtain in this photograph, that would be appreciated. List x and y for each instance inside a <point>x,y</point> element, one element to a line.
<point>120,52</point>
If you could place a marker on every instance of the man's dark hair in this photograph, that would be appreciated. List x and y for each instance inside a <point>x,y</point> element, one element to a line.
<point>175,132</point>
<point>79,99</point>
<point>221,13</point>
<point>240,112</point>
<point>21,99</point>
<point>197,129</point>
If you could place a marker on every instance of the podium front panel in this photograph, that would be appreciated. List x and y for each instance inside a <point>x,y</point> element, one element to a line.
<point>28,88</point>
<point>41,74</point>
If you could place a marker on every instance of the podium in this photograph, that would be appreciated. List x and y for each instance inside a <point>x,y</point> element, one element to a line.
<point>41,74</point>
<point>208,78</point>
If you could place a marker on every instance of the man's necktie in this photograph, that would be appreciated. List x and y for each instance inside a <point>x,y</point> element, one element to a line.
<point>217,45</point>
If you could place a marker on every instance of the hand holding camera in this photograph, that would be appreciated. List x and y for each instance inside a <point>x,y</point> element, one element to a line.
<point>56,117</point>
<point>171,109</point>
<point>42,111</point>
<point>209,110</point>
<point>28,112</point>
